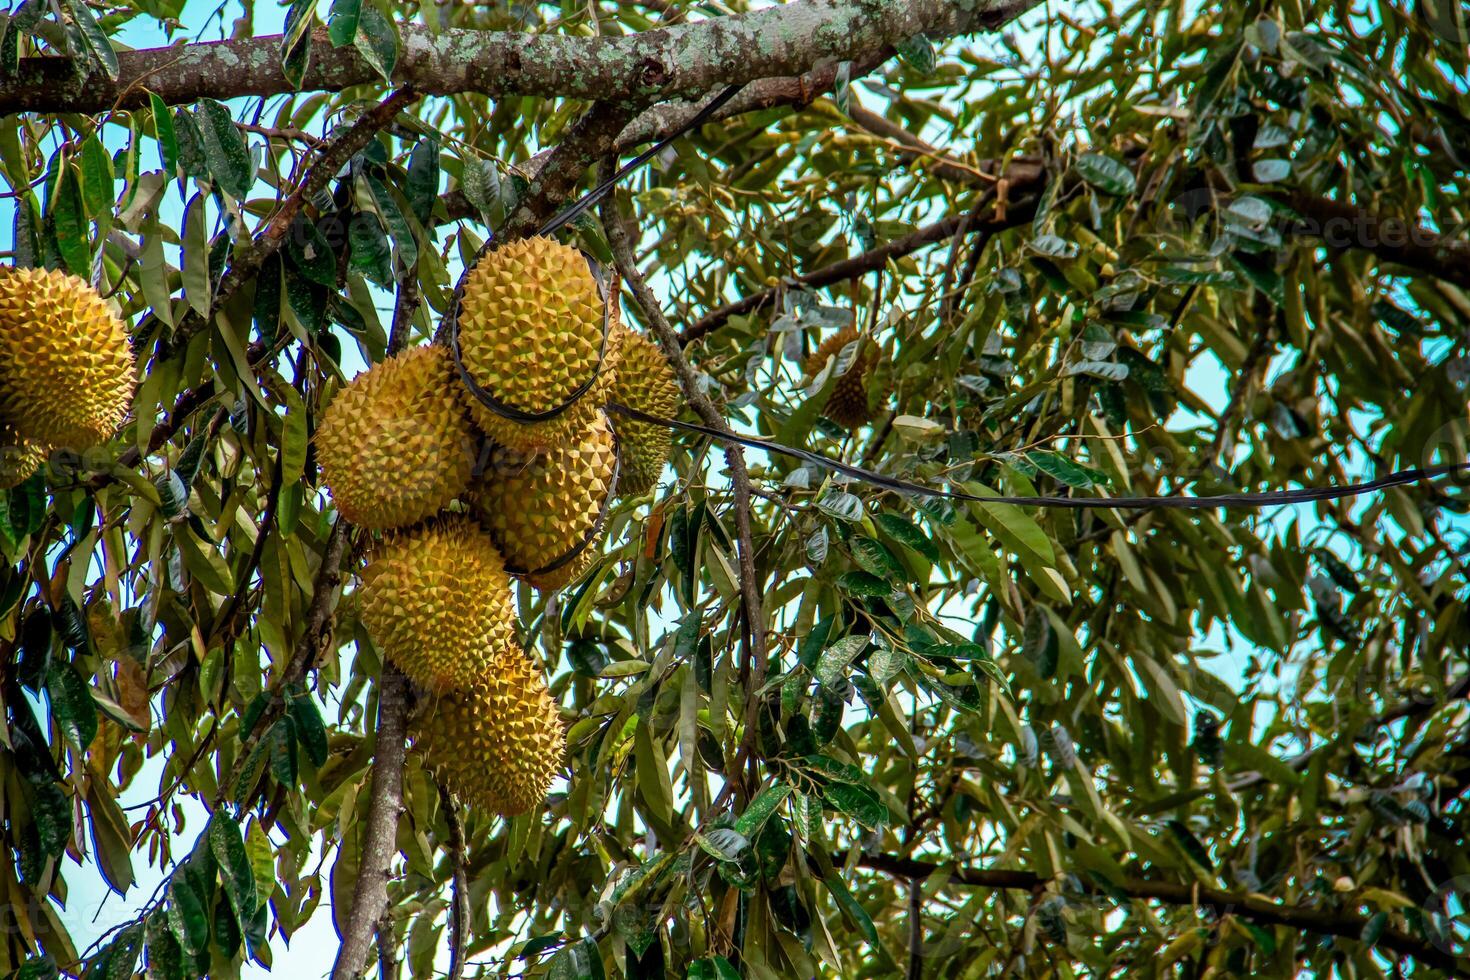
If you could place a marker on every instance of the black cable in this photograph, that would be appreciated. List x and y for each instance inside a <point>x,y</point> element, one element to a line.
<point>1268,498</point>
<point>586,201</point>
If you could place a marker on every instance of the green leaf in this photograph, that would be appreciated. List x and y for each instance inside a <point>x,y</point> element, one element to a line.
<point>71,703</point>
<point>309,729</point>
<point>1064,469</point>
<point>39,968</point>
<point>342,22</point>
<point>918,51</point>
<point>577,961</point>
<point>653,773</point>
<point>841,505</point>
<point>713,968</point>
<point>228,848</point>
<point>1191,844</point>
<point>225,152</point>
<point>908,534</point>
<point>68,213</point>
<point>1106,174</point>
<point>296,41</point>
<point>311,253</point>
<point>832,666</point>
<point>874,558</point>
<point>421,187</point>
<point>864,584</point>
<point>850,907</point>
<point>1039,642</point>
<point>377,41</point>
<point>97,180</point>
<point>163,132</point>
<point>186,915</point>
<point>371,254</point>
<point>723,843</point>
<point>52,811</point>
<point>122,953</point>
<point>858,802</point>
<point>766,802</point>
<point>392,216</point>
<point>165,957</point>
<point>282,741</point>
<point>226,928</point>
<point>94,38</point>
<point>194,255</point>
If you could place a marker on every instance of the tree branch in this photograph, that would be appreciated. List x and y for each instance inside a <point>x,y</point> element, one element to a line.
<point>685,59</point>
<point>857,265</point>
<point>370,892</point>
<point>1254,907</point>
<point>753,641</point>
<point>459,905</point>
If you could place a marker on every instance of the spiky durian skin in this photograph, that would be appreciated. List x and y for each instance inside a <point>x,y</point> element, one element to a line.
<point>498,743</point>
<point>395,445</point>
<point>539,508</point>
<point>848,403</point>
<point>644,381</point>
<point>66,370</point>
<point>19,457</point>
<point>437,600</point>
<point>530,333</point>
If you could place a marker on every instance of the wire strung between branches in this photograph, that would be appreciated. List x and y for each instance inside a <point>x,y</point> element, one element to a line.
<point>1267,498</point>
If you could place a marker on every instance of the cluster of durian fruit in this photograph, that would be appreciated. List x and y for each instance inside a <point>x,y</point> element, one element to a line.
<point>66,369</point>
<point>496,465</point>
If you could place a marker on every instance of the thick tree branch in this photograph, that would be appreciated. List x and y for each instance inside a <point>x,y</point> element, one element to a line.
<point>1339,225</point>
<point>755,657</point>
<point>1246,905</point>
<point>686,59</point>
<point>370,892</point>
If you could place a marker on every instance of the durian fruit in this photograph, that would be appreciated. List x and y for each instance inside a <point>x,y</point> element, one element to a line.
<point>19,457</point>
<point>531,333</point>
<point>395,445</point>
<point>541,508</point>
<point>644,381</point>
<point>498,743</point>
<point>848,403</point>
<point>66,370</point>
<point>437,600</point>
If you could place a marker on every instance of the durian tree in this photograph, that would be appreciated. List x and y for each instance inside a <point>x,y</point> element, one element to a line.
<point>781,557</point>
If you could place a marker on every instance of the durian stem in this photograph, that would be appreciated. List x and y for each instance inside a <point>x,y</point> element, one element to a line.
<point>459,905</point>
<point>754,657</point>
<point>370,893</point>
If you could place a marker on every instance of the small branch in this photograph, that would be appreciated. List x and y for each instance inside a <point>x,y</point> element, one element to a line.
<point>1408,708</point>
<point>331,156</point>
<point>388,962</point>
<point>753,641</point>
<point>1245,905</point>
<point>404,309</point>
<point>370,892</point>
<point>855,266</point>
<point>586,142</point>
<point>916,930</point>
<point>459,905</point>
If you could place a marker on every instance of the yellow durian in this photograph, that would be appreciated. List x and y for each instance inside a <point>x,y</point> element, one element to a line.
<point>437,600</point>
<point>539,509</point>
<point>644,381</point>
<point>66,370</point>
<point>530,334</point>
<point>848,403</point>
<point>19,458</point>
<point>498,743</point>
<point>395,445</point>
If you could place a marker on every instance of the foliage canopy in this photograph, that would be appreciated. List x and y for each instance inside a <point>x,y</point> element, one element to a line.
<point>1112,249</point>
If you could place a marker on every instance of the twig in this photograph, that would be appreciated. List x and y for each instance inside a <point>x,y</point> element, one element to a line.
<point>404,309</point>
<point>388,962</point>
<point>331,156</point>
<point>370,892</point>
<point>753,640</point>
<point>459,905</point>
<point>855,266</point>
<point>1256,908</point>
